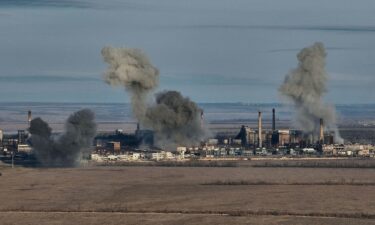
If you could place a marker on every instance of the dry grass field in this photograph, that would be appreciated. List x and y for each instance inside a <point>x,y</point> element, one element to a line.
<point>187,195</point>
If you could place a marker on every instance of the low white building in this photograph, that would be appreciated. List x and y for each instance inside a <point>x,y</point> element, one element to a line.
<point>360,150</point>
<point>309,150</point>
<point>134,156</point>
<point>213,141</point>
<point>162,155</point>
<point>23,148</point>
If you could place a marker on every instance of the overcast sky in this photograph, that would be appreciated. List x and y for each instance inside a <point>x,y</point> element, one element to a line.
<point>210,50</point>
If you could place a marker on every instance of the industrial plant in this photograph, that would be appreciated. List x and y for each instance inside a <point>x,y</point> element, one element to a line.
<point>171,126</point>
<point>249,143</point>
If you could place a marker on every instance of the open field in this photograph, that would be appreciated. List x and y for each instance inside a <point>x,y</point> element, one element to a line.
<point>180,195</point>
<point>276,161</point>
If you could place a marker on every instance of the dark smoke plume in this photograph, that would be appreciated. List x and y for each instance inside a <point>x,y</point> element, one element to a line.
<point>131,68</point>
<point>175,119</point>
<point>66,150</point>
<point>305,86</point>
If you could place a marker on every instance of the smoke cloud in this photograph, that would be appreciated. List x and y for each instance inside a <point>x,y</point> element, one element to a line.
<point>175,119</point>
<point>131,68</point>
<point>66,150</point>
<point>305,86</point>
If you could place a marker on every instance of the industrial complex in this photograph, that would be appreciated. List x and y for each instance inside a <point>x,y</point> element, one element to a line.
<point>249,142</point>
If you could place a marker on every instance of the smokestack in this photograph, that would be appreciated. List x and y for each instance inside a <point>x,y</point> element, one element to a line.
<point>321,131</point>
<point>260,129</point>
<point>202,118</point>
<point>273,120</point>
<point>29,117</point>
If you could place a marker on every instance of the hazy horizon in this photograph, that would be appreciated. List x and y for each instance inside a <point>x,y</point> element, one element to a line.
<point>210,51</point>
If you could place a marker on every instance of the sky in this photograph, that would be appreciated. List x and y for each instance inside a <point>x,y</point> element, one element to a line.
<point>210,50</point>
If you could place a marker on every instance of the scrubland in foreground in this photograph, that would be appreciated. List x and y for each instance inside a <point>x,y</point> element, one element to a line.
<point>177,195</point>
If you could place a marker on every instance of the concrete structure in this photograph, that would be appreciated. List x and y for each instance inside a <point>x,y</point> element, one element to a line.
<point>29,118</point>
<point>284,137</point>
<point>213,141</point>
<point>237,141</point>
<point>135,156</point>
<point>202,119</point>
<point>281,137</point>
<point>309,150</point>
<point>321,131</point>
<point>332,150</point>
<point>273,120</point>
<point>21,137</point>
<point>250,136</point>
<point>296,136</point>
<point>114,147</point>
<point>162,155</point>
<point>260,129</point>
<point>24,148</point>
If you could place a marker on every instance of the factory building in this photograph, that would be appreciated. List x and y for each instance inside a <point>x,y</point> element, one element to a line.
<point>276,138</point>
<point>22,136</point>
<point>246,136</point>
<point>24,149</point>
<point>114,147</point>
<point>162,155</point>
<point>280,137</point>
<point>139,137</point>
<point>1,136</point>
<point>296,136</point>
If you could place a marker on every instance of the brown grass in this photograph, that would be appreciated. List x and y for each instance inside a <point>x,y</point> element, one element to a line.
<point>178,191</point>
<point>351,182</point>
<point>363,163</point>
<point>317,163</point>
<point>236,213</point>
<point>190,163</point>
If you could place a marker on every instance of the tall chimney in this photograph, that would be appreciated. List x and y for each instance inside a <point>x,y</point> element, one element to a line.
<point>273,120</point>
<point>29,117</point>
<point>260,129</point>
<point>202,118</point>
<point>321,131</point>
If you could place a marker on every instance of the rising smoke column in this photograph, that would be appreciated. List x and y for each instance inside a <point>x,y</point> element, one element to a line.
<point>175,119</point>
<point>305,86</point>
<point>80,130</point>
<point>131,68</point>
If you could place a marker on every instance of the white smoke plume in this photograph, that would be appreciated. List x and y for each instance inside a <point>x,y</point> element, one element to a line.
<point>131,68</point>
<point>66,150</point>
<point>305,86</point>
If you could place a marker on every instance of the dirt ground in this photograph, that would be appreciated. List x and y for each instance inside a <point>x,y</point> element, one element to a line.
<point>177,195</point>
